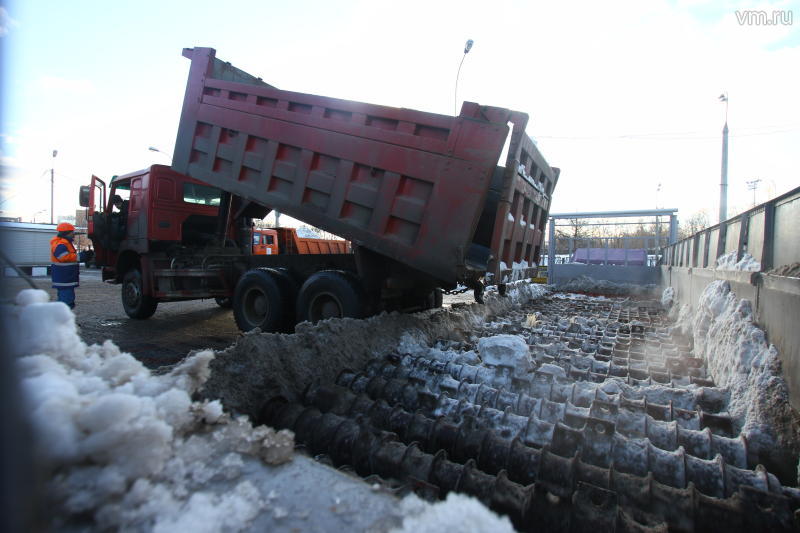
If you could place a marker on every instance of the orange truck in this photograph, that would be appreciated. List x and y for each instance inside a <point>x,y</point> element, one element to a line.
<point>274,241</point>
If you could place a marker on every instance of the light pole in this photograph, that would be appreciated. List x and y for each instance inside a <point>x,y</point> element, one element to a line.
<point>154,149</point>
<point>467,48</point>
<point>752,186</point>
<point>52,182</point>
<point>723,186</point>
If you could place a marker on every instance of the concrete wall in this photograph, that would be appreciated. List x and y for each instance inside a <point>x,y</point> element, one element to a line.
<point>616,273</point>
<point>776,303</point>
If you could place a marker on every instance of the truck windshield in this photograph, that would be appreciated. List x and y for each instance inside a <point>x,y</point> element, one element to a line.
<point>194,193</point>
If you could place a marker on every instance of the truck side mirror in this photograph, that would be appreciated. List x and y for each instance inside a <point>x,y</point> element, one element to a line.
<point>83,196</point>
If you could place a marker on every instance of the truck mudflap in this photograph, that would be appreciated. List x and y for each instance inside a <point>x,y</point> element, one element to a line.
<point>409,185</point>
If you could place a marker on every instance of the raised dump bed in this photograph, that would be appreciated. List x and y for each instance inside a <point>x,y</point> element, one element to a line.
<point>419,188</point>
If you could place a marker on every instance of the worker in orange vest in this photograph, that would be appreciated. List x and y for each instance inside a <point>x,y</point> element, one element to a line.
<point>64,264</point>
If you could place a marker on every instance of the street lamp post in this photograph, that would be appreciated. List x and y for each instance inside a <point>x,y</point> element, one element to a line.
<point>154,149</point>
<point>723,186</point>
<point>467,48</point>
<point>52,182</point>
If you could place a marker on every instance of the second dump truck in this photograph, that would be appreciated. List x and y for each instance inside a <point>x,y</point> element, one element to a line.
<point>420,197</point>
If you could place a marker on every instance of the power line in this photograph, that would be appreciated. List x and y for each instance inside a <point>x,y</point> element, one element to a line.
<point>682,136</point>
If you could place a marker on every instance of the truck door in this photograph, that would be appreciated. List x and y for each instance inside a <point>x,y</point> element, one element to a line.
<point>96,202</point>
<point>258,247</point>
<point>93,198</point>
<point>270,241</point>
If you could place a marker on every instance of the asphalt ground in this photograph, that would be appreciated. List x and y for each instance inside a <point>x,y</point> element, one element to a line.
<point>175,330</point>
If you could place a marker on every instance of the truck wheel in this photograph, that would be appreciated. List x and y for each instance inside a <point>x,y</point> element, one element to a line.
<point>288,288</point>
<point>225,303</point>
<point>330,294</point>
<point>258,302</point>
<point>438,298</point>
<point>134,301</point>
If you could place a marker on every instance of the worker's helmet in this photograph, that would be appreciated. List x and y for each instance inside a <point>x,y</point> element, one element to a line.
<point>65,227</point>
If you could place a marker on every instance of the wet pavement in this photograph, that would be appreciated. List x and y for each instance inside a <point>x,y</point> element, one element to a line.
<point>176,328</point>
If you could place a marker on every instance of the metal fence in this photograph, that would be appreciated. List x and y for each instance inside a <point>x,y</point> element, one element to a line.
<point>769,232</point>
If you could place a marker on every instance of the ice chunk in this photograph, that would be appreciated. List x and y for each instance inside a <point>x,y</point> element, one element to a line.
<point>505,350</point>
<point>553,370</point>
<point>457,513</point>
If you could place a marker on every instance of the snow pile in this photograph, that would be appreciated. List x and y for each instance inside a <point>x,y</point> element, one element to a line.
<point>125,447</point>
<point>586,284</point>
<point>668,297</point>
<point>263,366</point>
<point>456,513</point>
<point>747,263</point>
<point>739,358</point>
<point>521,292</point>
<point>304,232</point>
<point>506,350</point>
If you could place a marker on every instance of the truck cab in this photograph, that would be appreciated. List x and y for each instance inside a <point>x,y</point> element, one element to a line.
<point>265,242</point>
<point>163,210</point>
<point>168,223</point>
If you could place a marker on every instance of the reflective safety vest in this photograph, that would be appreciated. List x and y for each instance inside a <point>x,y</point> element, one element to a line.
<point>64,269</point>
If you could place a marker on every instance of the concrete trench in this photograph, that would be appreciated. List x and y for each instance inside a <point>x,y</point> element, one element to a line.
<point>617,425</point>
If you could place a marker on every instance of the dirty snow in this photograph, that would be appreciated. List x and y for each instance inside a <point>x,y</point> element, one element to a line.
<point>667,297</point>
<point>510,217</point>
<point>739,358</point>
<point>261,366</point>
<point>305,232</point>
<point>122,445</point>
<point>127,449</point>
<point>747,263</point>
<point>590,285</point>
<point>456,513</point>
<point>791,270</point>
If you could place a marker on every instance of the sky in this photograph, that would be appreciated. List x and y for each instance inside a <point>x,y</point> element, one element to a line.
<point>622,96</point>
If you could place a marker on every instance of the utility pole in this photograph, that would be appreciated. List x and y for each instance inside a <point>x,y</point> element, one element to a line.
<point>52,181</point>
<point>753,186</point>
<point>723,186</point>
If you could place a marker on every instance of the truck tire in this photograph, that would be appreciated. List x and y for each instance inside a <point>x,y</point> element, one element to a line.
<point>258,302</point>
<point>438,298</point>
<point>288,288</point>
<point>330,294</point>
<point>134,301</point>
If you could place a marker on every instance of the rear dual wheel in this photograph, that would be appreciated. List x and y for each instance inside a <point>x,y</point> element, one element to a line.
<point>331,294</point>
<point>264,298</point>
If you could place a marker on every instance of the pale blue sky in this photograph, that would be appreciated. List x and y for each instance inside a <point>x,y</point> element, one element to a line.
<point>622,95</point>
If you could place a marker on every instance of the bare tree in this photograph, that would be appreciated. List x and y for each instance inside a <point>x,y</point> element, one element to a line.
<point>696,222</point>
<point>575,229</point>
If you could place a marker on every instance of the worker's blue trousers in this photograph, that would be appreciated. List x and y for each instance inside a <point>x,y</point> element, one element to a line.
<point>67,295</point>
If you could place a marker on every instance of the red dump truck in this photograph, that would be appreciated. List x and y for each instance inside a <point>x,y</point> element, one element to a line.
<point>420,196</point>
<point>274,241</point>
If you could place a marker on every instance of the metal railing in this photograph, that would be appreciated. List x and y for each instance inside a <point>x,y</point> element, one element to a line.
<point>769,232</point>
